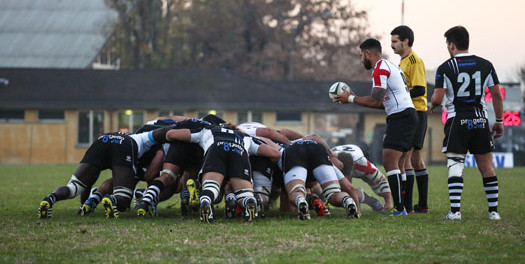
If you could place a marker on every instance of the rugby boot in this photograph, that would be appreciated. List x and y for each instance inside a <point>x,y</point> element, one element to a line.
<point>88,207</point>
<point>185,202</point>
<point>194,194</point>
<point>260,206</point>
<point>302,209</point>
<point>395,212</point>
<point>145,209</point>
<point>453,216</point>
<point>137,197</point>
<point>319,207</point>
<point>206,212</point>
<point>420,209</point>
<point>494,215</point>
<point>351,208</point>
<point>110,207</point>
<point>46,208</point>
<point>250,211</point>
<point>230,209</point>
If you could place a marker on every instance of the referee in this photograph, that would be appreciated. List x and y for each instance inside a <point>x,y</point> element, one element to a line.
<point>402,38</point>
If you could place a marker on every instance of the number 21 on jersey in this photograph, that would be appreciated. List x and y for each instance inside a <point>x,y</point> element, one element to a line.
<point>464,78</point>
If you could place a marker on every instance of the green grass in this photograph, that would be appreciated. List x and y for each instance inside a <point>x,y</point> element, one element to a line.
<point>279,238</point>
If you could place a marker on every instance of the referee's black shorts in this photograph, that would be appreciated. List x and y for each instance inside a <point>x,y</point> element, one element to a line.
<point>421,130</point>
<point>400,130</point>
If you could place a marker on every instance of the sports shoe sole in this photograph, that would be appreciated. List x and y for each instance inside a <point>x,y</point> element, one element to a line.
<point>352,211</point>
<point>321,210</point>
<point>422,211</point>
<point>251,209</point>
<point>194,195</point>
<point>85,210</point>
<point>111,211</point>
<point>141,213</point>
<point>45,210</point>
<point>230,210</point>
<point>303,213</point>
<point>205,215</point>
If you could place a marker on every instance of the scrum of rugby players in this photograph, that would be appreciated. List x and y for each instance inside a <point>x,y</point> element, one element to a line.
<point>207,159</point>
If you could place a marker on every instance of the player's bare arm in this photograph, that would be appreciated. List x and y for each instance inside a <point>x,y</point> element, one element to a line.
<point>375,100</point>
<point>437,99</point>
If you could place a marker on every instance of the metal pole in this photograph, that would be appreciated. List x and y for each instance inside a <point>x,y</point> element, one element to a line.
<point>402,12</point>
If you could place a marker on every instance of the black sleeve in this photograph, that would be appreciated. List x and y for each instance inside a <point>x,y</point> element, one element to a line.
<point>159,135</point>
<point>417,91</point>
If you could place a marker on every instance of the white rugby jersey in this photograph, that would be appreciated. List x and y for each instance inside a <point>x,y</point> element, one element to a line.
<point>250,128</point>
<point>144,142</point>
<point>362,166</point>
<point>389,77</point>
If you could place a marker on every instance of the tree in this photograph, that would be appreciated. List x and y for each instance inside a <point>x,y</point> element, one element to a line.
<point>247,36</point>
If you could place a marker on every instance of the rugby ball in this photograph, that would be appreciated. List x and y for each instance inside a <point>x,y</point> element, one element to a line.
<point>338,88</point>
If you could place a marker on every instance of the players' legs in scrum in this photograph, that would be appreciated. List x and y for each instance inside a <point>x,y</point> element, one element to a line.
<point>83,178</point>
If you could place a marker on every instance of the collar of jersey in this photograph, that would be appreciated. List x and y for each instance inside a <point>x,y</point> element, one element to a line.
<point>463,54</point>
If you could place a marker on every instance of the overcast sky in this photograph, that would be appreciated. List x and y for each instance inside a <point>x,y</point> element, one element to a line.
<point>496,28</point>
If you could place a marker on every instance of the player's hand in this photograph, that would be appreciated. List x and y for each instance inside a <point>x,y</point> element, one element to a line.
<point>388,203</point>
<point>342,98</point>
<point>432,107</point>
<point>497,130</point>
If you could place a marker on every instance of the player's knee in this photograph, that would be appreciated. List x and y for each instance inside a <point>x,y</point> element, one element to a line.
<point>75,187</point>
<point>298,188</point>
<point>455,164</point>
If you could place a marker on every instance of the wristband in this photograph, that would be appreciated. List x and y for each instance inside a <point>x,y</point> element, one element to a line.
<point>351,98</point>
<point>499,120</point>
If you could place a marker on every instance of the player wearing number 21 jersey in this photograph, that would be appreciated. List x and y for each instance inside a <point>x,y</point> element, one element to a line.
<point>463,79</point>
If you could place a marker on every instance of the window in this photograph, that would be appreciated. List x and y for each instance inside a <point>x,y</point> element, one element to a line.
<point>90,126</point>
<point>257,117</point>
<point>129,120</point>
<point>51,115</point>
<point>202,114</point>
<point>12,115</point>
<point>249,116</point>
<point>242,117</point>
<point>171,113</point>
<point>288,117</point>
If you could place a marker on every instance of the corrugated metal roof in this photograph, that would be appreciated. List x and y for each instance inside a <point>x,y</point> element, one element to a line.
<point>52,33</point>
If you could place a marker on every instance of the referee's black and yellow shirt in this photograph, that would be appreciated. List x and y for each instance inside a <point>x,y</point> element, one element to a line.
<point>415,73</point>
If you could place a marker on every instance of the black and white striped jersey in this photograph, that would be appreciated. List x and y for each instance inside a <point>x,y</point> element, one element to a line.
<point>206,137</point>
<point>464,78</point>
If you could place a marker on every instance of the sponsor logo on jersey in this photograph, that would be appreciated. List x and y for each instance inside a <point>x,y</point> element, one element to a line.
<point>115,139</point>
<point>476,123</point>
<point>230,146</point>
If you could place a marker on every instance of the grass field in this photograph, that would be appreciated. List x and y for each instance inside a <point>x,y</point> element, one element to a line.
<point>279,238</point>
